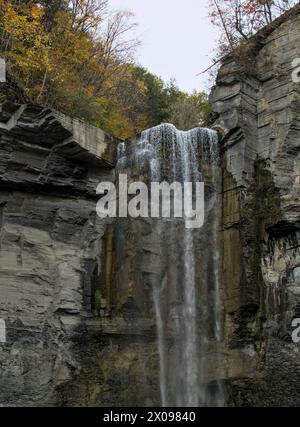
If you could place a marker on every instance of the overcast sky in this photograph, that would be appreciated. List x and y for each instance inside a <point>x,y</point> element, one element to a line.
<point>177,38</point>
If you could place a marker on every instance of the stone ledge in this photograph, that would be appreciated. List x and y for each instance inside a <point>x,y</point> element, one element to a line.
<point>70,137</point>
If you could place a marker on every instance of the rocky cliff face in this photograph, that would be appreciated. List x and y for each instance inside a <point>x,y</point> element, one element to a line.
<point>55,263</point>
<point>257,104</point>
<point>80,328</point>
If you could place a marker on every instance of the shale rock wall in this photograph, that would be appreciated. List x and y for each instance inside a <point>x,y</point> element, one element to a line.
<point>76,325</point>
<point>257,107</point>
<point>63,346</point>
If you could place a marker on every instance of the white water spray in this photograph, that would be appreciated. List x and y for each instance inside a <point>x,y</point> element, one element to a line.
<point>186,294</point>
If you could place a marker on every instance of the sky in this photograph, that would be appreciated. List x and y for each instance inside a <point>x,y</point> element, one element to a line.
<point>177,39</point>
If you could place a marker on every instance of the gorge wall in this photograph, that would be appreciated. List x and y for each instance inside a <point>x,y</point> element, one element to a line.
<point>257,107</point>
<point>63,346</point>
<point>76,334</point>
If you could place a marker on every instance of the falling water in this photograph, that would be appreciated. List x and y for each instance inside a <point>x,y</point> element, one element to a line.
<point>186,292</point>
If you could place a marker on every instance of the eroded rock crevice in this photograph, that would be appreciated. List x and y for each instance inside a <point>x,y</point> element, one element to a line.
<point>259,114</point>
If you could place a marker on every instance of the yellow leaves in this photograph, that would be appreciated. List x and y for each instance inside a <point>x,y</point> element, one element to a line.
<point>28,49</point>
<point>37,13</point>
<point>23,20</point>
<point>64,65</point>
<point>24,26</point>
<point>117,124</point>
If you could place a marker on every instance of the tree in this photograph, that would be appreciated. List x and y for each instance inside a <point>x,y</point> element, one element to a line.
<point>51,8</point>
<point>75,56</point>
<point>87,15</point>
<point>24,44</point>
<point>189,110</point>
<point>156,106</point>
<point>240,19</point>
<point>71,55</point>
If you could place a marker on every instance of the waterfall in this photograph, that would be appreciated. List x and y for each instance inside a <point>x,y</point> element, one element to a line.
<point>186,290</point>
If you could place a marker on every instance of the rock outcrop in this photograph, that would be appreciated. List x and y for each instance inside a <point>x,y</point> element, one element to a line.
<point>55,271</point>
<point>76,326</point>
<point>257,104</point>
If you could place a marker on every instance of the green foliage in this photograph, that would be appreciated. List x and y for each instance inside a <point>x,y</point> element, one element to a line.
<point>167,103</point>
<point>156,105</point>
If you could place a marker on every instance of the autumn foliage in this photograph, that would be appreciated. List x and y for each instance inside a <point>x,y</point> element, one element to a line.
<point>77,56</point>
<point>74,59</point>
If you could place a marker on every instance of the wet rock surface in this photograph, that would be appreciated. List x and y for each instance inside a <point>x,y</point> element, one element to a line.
<point>79,329</point>
<point>259,112</point>
<point>61,348</point>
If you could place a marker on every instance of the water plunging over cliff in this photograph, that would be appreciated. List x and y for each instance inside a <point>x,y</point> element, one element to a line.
<point>185,281</point>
